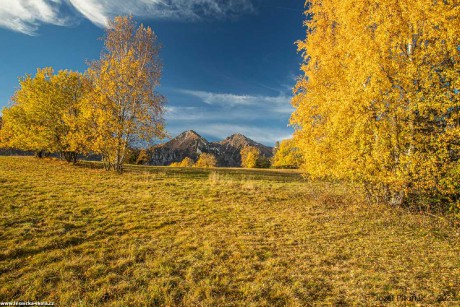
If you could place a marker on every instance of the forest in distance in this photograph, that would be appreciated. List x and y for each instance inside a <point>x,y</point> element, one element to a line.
<point>361,205</point>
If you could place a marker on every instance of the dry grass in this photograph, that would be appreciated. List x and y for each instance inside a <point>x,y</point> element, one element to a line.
<point>165,236</point>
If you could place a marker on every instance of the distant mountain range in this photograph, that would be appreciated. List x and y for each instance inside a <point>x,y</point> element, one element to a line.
<point>187,144</point>
<point>191,144</point>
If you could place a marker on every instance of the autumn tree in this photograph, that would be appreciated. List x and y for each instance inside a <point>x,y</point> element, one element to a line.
<point>287,155</point>
<point>124,106</point>
<point>71,87</point>
<point>143,157</point>
<point>43,113</point>
<point>378,102</point>
<point>249,156</point>
<point>206,160</point>
<point>187,162</point>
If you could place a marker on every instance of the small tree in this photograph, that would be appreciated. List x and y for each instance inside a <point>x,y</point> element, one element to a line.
<point>143,157</point>
<point>187,162</point>
<point>263,162</point>
<point>124,106</point>
<point>287,155</point>
<point>249,156</point>
<point>206,160</point>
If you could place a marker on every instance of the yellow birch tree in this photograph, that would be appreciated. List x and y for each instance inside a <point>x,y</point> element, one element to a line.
<point>124,106</point>
<point>42,113</point>
<point>205,160</point>
<point>378,101</point>
<point>249,156</point>
<point>287,155</point>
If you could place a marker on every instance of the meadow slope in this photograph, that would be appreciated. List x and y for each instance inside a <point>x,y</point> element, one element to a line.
<point>81,236</point>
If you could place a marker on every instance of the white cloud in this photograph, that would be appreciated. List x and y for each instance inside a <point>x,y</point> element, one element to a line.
<point>264,135</point>
<point>277,104</point>
<point>221,115</point>
<point>27,15</point>
<point>92,10</point>
<point>199,114</point>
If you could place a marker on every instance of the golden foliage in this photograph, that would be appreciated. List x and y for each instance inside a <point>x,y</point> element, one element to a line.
<point>124,106</point>
<point>249,156</point>
<point>378,102</point>
<point>287,155</point>
<point>206,160</point>
<point>187,162</point>
<point>143,157</point>
<point>44,113</point>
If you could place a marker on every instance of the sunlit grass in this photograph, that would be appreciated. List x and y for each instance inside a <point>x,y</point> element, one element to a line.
<point>77,235</point>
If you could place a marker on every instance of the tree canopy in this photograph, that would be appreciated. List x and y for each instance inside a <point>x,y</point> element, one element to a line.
<point>287,155</point>
<point>378,102</point>
<point>44,112</point>
<point>124,106</point>
<point>206,160</point>
<point>249,156</point>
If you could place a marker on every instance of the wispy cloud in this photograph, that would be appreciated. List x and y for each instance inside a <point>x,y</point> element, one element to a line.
<point>218,115</point>
<point>263,135</point>
<point>278,104</point>
<point>27,15</point>
<point>201,114</point>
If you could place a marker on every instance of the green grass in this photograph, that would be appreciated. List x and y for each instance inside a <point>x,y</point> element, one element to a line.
<point>77,235</point>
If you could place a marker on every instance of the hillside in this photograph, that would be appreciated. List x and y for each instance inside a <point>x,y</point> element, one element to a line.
<point>191,144</point>
<point>183,237</point>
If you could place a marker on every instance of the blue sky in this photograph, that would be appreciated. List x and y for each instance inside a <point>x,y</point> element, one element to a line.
<point>229,65</point>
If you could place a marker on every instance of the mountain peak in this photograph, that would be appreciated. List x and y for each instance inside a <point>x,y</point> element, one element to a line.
<point>189,134</point>
<point>191,144</point>
<point>237,135</point>
<point>239,140</point>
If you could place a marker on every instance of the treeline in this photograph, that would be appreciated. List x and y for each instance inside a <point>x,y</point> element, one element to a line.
<point>378,102</point>
<point>103,111</point>
<point>285,155</point>
<point>205,160</point>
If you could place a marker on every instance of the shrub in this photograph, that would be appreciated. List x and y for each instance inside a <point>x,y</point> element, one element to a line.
<point>249,156</point>
<point>187,162</point>
<point>206,160</point>
<point>287,155</point>
<point>143,157</point>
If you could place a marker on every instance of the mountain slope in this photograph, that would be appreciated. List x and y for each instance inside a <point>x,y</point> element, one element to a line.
<point>187,144</point>
<point>191,144</point>
<point>230,149</point>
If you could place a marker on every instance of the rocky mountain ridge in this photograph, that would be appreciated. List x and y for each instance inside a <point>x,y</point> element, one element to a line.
<point>191,144</point>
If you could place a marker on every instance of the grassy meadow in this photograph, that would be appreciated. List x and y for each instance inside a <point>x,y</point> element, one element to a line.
<point>80,236</point>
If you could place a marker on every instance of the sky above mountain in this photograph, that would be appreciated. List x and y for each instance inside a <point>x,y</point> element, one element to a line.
<point>229,65</point>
